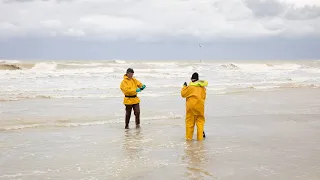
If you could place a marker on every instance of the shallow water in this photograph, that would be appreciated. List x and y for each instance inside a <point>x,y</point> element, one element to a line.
<point>257,135</point>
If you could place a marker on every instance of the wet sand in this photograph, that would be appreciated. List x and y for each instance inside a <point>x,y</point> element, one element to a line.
<point>258,135</point>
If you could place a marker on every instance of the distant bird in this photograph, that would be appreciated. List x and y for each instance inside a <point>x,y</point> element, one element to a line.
<point>200,47</point>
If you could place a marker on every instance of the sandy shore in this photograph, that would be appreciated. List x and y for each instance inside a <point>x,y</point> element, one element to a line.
<point>258,135</point>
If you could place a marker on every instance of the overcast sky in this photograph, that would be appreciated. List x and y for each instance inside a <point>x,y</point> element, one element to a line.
<point>160,29</point>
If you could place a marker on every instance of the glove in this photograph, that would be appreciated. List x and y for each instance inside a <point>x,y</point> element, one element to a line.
<point>143,86</point>
<point>138,90</point>
<point>185,84</point>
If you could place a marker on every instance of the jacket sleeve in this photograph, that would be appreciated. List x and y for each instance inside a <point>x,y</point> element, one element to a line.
<point>127,90</point>
<point>185,91</point>
<point>139,84</point>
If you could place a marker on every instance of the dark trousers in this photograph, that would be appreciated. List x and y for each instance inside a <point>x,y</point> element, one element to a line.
<point>136,109</point>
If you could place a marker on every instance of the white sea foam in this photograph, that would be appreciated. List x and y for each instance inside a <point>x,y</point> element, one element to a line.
<point>120,61</point>
<point>44,66</point>
<point>78,122</point>
<point>101,79</point>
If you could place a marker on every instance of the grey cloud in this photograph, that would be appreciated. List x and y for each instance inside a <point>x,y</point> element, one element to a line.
<point>265,8</point>
<point>19,1</point>
<point>24,1</point>
<point>304,13</point>
<point>275,8</point>
<point>152,19</point>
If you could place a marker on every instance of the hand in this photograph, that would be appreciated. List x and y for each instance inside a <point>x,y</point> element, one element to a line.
<point>138,90</point>
<point>185,84</point>
<point>143,86</point>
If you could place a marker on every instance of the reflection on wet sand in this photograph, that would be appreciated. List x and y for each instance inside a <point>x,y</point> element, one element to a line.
<point>195,158</point>
<point>132,144</point>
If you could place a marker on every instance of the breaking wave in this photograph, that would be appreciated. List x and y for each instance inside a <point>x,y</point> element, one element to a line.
<point>173,90</point>
<point>57,65</point>
<point>44,66</point>
<point>119,61</point>
<point>9,67</point>
<point>22,80</point>
<point>260,67</point>
<point>229,66</point>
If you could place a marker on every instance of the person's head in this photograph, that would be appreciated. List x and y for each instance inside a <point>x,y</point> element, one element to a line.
<point>130,73</point>
<point>195,77</point>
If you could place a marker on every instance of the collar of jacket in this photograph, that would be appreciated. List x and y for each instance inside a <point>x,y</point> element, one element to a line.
<point>126,77</point>
<point>199,83</point>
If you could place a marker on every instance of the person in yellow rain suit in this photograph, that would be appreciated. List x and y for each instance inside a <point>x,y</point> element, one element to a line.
<point>130,87</point>
<point>195,94</point>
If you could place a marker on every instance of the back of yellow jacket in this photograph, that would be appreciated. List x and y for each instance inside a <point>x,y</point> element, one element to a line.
<point>195,94</point>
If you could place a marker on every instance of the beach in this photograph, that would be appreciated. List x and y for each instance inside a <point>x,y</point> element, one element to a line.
<point>65,120</point>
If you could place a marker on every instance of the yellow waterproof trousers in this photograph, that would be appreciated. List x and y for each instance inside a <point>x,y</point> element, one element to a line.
<point>192,120</point>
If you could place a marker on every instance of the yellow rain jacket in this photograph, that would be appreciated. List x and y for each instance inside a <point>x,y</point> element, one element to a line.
<point>128,87</point>
<point>195,95</point>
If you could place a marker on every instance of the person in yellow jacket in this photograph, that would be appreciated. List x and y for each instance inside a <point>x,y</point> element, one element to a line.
<point>130,87</point>
<point>195,94</point>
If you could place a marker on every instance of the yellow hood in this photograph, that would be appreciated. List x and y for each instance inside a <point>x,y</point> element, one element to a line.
<point>199,83</point>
